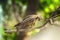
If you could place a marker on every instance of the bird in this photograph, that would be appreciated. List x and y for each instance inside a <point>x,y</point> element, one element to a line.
<point>27,23</point>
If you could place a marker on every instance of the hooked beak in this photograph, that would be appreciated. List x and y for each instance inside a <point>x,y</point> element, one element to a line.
<point>38,18</point>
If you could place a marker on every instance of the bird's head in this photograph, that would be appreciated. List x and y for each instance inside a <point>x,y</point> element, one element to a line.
<point>36,17</point>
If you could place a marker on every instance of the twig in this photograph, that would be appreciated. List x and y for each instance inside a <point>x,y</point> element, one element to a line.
<point>40,27</point>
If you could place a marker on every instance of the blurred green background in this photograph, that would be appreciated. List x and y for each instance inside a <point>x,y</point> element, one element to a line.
<point>9,8</point>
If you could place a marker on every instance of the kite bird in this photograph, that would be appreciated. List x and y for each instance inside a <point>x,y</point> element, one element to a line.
<point>27,23</point>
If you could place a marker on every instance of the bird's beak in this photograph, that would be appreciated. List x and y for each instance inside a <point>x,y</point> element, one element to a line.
<point>38,18</point>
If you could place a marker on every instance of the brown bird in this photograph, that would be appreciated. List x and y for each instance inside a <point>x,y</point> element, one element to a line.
<point>26,24</point>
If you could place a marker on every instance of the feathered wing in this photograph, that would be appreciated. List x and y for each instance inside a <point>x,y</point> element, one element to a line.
<point>27,23</point>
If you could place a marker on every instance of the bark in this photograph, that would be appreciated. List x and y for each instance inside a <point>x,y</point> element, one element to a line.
<point>22,36</point>
<point>32,7</point>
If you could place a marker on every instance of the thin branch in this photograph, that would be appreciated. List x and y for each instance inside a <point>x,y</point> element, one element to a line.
<point>30,29</point>
<point>16,11</point>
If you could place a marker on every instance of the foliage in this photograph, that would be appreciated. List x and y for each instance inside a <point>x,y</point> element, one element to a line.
<point>8,15</point>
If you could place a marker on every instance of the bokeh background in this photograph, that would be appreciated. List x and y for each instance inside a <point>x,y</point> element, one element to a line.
<point>13,11</point>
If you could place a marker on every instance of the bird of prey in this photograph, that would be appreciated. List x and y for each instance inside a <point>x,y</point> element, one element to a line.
<point>28,22</point>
